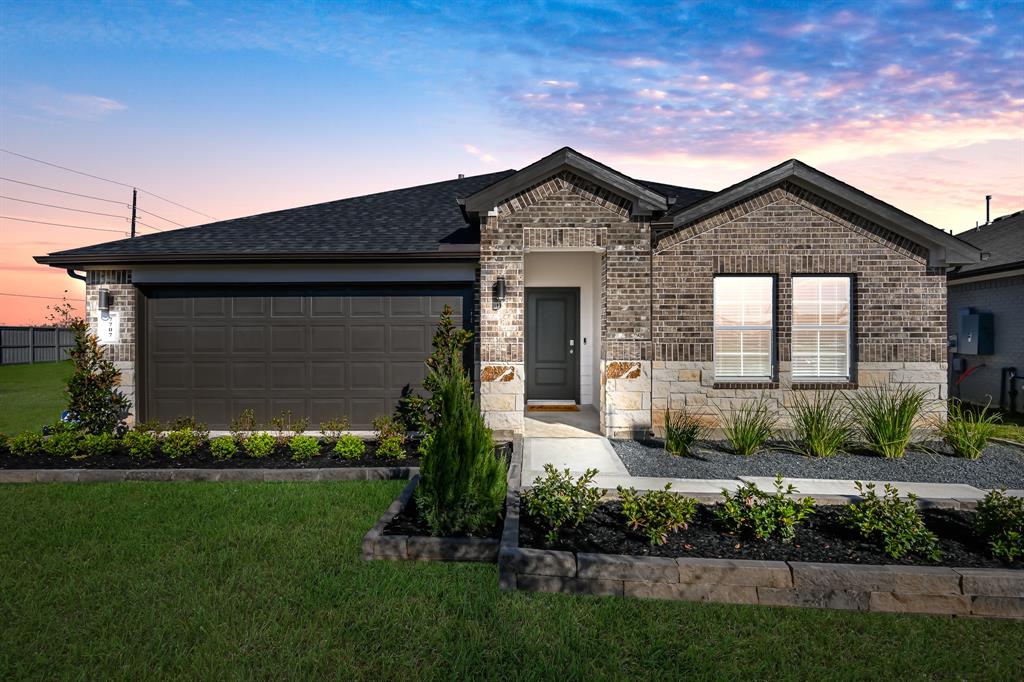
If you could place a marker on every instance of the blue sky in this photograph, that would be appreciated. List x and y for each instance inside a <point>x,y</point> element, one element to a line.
<point>236,108</point>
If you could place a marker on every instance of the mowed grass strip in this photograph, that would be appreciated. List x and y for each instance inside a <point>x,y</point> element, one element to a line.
<point>242,581</point>
<point>32,396</point>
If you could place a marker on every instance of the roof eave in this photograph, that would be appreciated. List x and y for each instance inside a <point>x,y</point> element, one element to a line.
<point>645,200</point>
<point>943,249</point>
<point>86,260</point>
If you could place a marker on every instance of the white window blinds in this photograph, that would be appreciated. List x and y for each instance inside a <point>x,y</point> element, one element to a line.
<point>743,327</point>
<point>821,327</point>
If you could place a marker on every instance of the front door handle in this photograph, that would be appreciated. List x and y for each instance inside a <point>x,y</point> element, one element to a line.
<point>572,346</point>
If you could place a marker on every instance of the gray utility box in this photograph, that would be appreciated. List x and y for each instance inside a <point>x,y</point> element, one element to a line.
<point>976,334</point>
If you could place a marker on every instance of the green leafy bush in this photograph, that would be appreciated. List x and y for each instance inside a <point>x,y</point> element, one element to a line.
<point>96,445</point>
<point>224,447</point>
<point>558,500</point>
<point>968,431</point>
<point>893,524</point>
<point>750,426</point>
<point>259,445</point>
<point>94,401</point>
<point>390,438</point>
<point>1000,521</point>
<point>885,416</point>
<point>417,413</point>
<point>140,444</point>
<point>184,441</point>
<point>821,427</point>
<point>682,431</point>
<point>657,512</point>
<point>26,443</point>
<point>754,512</point>
<point>304,447</point>
<point>65,440</point>
<point>462,480</point>
<point>350,446</point>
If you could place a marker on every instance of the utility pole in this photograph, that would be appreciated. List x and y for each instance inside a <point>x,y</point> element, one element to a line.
<point>135,198</point>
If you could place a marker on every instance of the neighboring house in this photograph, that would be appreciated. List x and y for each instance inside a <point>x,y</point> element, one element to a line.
<point>584,286</point>
<point>995,287</point>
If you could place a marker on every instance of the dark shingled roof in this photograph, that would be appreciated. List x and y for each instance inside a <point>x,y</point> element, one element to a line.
<point>1003,240</point>
<point>425,220</point>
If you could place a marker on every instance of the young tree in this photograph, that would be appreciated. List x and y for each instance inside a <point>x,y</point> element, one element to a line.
<point>94,402</point>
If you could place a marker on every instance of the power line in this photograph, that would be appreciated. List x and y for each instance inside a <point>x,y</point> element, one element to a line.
<point>97,177</point>
<point>148,225</point>
<point>51,298</point>
<point>142,210</point>
<point>64,208</point>
<point>77,227</point>
<point>64,191</point>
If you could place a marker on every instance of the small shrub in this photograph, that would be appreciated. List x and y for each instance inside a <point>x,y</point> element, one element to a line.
<point>682,431</point>
<point>26,443</point>
<point>185,441</point>
<point>893,524</point>
<point>96,445</point>
<point>657,512</point>
<point>286,423</point>
<point>752,511</point>
<point>1000,521</point>
<point>223,448</point>
<point>259,445</point>
<point>242,425</point>
<point>557,500</point>
<point>968,431</point>
<point>350,446</point>
<point>94,401</point>
<point>750,427</point>
<point>304,447</point>
<point>886,415</point>
<point>333,429</point>
<point>390,438</point>
<point>140,444</point>
<point>822,427</point>
<point>65,441</point>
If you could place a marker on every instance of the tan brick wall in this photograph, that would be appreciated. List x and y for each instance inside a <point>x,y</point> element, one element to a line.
<point>122,292</point>
<point>899,304</point>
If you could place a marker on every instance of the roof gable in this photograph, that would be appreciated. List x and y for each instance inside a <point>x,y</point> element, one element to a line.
<point>943,248</point>
<point>644,199</point>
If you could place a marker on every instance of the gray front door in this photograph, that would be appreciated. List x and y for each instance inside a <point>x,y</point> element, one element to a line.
<point>552,344</point>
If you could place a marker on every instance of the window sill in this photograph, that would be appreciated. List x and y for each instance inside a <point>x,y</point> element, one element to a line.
<point>752,385</point>
<point>827,384</point>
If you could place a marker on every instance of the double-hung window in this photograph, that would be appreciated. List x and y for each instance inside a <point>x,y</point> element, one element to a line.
<point>744,328</point>
<point>821,327</point>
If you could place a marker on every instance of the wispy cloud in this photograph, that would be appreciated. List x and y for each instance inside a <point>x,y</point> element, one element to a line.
<point>47,101</point>
<point>478,153</point>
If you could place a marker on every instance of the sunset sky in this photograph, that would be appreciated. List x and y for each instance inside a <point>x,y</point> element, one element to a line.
<point>238,108</point>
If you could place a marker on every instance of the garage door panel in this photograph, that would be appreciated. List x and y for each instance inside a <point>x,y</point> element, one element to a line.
<point>317,350</point>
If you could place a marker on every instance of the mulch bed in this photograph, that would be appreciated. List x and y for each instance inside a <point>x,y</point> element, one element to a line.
<point>821,539</point>
<point>408,522</point>
<point>932,462</point>
<point>281,458</point>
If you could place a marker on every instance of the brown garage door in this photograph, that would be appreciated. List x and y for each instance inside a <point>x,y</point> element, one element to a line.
<point>318,351</point>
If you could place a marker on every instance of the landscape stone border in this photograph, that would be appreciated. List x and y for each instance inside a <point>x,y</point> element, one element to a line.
<point>208,475</point>
<point>983,592</point>
<point>376,545</point>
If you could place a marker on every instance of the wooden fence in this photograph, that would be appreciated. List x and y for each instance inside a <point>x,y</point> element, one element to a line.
<point>24,345</point>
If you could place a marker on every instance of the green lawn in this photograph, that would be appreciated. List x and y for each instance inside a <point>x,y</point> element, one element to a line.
<point>32,395</point>
<point>241,581</point>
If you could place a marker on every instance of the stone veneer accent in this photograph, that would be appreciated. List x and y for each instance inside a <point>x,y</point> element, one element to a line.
<point>565,211</point>
<point>122,292</point>
<point>899,306</point>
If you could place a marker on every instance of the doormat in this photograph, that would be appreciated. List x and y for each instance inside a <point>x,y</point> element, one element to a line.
<point>552,408</point>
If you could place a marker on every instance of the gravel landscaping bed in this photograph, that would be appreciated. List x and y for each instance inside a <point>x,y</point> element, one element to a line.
<point>999,466</point>
<point>822,539</point>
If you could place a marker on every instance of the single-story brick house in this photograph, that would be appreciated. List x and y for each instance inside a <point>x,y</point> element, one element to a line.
<point>992,371</point>
<point>584,286</point>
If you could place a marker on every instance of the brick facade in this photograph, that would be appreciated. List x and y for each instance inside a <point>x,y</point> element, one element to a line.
<point>122,293</point>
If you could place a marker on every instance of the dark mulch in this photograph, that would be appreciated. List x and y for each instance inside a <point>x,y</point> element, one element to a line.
<point>408,522</point>
<point>999,466</point>
<point>822,539</point>
<point>280,459</point>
